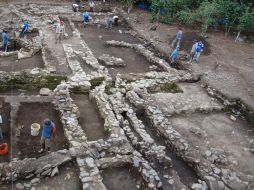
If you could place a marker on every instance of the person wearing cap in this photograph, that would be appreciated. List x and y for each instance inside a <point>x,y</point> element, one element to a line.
<point>115,20</point>
<point>24,28</point>
<point>48,134</point>
<point>4,40</point>
<point>60,31</point>
<point>174,56</point>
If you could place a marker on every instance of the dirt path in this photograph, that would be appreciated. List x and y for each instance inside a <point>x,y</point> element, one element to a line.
<point>234,76</point>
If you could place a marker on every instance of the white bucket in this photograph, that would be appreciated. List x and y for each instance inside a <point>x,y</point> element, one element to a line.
<point>35,129</point>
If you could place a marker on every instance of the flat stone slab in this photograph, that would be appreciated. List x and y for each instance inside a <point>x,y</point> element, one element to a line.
<point>194,98</point>
<point>50,161</point>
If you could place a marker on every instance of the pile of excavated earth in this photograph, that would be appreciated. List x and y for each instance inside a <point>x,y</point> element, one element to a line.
<point>125,118</point>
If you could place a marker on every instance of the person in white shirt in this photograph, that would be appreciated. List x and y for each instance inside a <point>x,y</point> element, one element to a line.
<point>193,50</point>
<point>75,7</point>
<point>91,5</point>
<point>115,20</point>
<point>60,31</point>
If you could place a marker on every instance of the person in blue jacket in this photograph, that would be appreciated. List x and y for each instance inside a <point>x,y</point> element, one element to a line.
<point>4,40</point>
<point>174,56</point>
<point>24,29</point>
<point>199,48</point>
<point>48,134</point>
<point>85,17</point>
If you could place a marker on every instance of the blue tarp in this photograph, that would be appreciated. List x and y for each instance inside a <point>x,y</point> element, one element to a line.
<point>148,7</point>
<point>144,6</point>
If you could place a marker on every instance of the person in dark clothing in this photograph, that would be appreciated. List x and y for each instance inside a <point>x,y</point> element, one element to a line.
<point>4,40</point>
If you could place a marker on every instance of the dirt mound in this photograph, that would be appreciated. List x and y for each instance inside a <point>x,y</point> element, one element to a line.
<point>187,42</point>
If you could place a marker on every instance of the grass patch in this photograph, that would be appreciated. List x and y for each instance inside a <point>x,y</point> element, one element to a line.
<point>26,82</point>
<point>96,82</point>
<point>167,87</point>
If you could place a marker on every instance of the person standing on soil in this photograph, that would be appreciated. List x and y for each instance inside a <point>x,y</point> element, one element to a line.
<point>115,20</point>
<point>85,18</point>
<point>48,135</point>
<point>174,56</point>
<point>4,40</point>
<point>177,39</point>
<point>199,48</point>
<point>193,51</point>
<point>60,31</point>
<point>109,22</point>
<point>24,28</point>
<point>91,5</point>
<point>15,36</point>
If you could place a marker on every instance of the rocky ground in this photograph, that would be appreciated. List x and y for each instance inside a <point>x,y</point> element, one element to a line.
<point>125,118</point>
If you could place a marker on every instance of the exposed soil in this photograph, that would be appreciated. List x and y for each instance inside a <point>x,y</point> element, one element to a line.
<point>90,118</point>
<point>135,63</point>
<point>67,179</point>
<point>16,92</point>
<point>61,68</point>
<point>12,64</point>
<point>234,76</point>
<point>186,173</point>
<point>5,110</point>
<point>87,68</point>
<point>217,130</point>
<point>124,178</point>
<point>67,26</point>
<point>29,113</point>
<point>188,40</point>
<point>193,98</point>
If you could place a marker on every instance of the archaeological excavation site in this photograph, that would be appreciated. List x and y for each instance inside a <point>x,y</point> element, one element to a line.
<point>124,118</point>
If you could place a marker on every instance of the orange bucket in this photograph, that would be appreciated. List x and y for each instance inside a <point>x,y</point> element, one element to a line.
<point>3,149</point>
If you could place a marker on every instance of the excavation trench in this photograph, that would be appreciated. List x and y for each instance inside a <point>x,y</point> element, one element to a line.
<point>68,28</point>
<point>124,178</point>
<point>35,112</point>
<point>67,178</point>
<point>12,64</point>
<point>159,168</point>
<point>90,118</point>
<point>87,68</point>
<point>5,111</point>
<point>135,63</point>
<point>186,173</point>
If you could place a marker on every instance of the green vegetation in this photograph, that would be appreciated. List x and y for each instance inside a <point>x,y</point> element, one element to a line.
<point>96,81</point>
<point>79,90</point>
<point>232,14</point>
<point>167,88</point>
<point>245,111</point>
<point>27,82</point>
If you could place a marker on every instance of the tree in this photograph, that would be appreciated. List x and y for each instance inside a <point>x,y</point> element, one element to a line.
<point>246,21</point>
<point>130,4</point>
<point>207,14</point>
<point>230,11</point>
